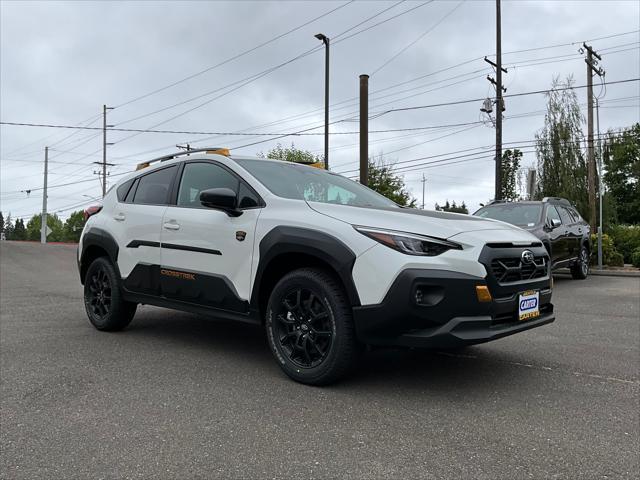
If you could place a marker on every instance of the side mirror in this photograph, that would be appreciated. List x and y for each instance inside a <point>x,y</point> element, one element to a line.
<point>223,199</point>
<point>555,223</point>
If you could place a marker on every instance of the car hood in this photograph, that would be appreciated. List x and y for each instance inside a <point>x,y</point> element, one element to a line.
<point>425,222</point>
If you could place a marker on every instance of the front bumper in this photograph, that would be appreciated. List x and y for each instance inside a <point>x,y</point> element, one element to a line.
<point>450,314</point>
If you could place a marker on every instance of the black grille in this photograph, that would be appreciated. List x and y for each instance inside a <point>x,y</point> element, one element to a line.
<point>509,270</point>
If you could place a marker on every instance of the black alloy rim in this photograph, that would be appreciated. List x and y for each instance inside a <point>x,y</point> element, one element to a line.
<point>99,293</point>
<point>584,260</point>
<point>304,328</point>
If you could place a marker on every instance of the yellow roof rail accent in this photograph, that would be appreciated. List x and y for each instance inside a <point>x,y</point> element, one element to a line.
<point>219,151</point>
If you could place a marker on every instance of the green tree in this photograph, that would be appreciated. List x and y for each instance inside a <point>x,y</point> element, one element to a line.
<point>53,222</point>
<point>291,154</point>
<point>73,227</point>
<point>453,208</point>
<point>385,182</point>
<point>19,232</point>
<point>1,223</point>
<point>8,227</point>
<point>562,169</point>
<point>621,157</point>
<point>509,177</point>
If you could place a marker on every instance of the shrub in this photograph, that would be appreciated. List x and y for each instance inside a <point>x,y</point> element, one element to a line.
<point>610,256</point>
<point>626,239</point>
<point>615,259</point>
<point>635,258</point>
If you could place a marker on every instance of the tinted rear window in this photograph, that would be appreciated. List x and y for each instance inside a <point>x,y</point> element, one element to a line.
<point>153,188</point>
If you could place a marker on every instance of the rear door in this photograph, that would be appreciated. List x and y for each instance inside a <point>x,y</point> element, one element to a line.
<point>206,254</point>
<point>570,231</point>
<point>137,222</point>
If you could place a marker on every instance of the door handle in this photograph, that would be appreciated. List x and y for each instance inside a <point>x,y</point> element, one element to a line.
<point>171,226</point>
<point>120,217</point>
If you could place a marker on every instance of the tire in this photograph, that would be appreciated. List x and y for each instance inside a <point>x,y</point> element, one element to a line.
<point>580,269</point>
<point>103,302</point>
<point>310,327</point>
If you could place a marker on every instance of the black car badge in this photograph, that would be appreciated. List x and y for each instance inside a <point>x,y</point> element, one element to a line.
<point>240,235</point>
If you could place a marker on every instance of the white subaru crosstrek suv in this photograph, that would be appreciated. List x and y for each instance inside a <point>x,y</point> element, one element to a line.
<point>325,264</point>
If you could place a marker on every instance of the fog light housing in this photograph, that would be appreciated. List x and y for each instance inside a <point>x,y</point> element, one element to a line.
<point>483,294</point>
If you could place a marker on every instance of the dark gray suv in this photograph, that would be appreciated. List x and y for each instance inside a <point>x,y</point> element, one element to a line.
<point>564,233</point>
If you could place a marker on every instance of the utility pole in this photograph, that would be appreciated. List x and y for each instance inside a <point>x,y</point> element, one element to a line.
<point>43,220</point>
<point>104,148</point>
<point>499,101</point>
<point>591,167</point>
<point>497,82</point>
<point>600,192</point>
<point>424,180</point>
<point>325,40</point>
<point>364,129</point>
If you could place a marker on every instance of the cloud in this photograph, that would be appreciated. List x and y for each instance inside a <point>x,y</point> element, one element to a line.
<point>61,61</point>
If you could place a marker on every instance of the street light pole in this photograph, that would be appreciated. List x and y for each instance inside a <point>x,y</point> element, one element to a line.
<point>325,40</point>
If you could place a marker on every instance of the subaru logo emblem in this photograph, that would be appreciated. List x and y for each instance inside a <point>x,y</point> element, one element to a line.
<point>527,257</point>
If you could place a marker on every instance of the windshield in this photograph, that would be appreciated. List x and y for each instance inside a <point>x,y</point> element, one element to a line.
<point>519,214</point>
<point>301,182</point>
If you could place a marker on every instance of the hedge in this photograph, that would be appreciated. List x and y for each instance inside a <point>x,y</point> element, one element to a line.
<point>626,239</point>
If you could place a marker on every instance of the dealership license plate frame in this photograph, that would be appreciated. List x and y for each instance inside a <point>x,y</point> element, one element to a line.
<point>531,309</point>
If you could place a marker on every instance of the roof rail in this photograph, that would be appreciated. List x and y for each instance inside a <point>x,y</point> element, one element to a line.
<point>563,201</point>
<point>210,150</point>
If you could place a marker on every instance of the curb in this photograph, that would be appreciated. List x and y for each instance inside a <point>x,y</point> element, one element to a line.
<point>615,273</point>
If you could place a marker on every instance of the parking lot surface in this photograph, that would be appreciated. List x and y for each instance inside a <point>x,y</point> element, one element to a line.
<point>177,395</point>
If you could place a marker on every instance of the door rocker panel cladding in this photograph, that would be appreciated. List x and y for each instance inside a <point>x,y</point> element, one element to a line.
<point>199,288</point>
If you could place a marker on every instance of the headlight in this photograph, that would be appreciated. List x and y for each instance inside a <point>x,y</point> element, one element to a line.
<point>409,243</point>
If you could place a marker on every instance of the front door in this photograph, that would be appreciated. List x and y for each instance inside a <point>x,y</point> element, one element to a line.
<point>206,254</point>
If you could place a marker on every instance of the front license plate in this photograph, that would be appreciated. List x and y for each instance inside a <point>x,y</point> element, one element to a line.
<point>528,305</point>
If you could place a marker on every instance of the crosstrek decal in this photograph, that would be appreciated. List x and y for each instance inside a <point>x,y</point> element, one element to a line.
<point>176,274</point>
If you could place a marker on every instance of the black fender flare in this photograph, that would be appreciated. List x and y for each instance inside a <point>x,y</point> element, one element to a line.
<point>325,247</point>
<point>97,237</point>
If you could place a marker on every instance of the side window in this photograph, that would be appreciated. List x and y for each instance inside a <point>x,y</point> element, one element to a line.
<point>153,188</point>
<point>124,189</point>
<point>567,219</point>
<point>132,191</point>
<point>203,176</point>
<point>552,214</point>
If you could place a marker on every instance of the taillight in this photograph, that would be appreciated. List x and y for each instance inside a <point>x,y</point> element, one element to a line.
<point>92,210</point>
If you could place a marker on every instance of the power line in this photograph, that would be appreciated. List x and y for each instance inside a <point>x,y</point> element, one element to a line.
<point>245,81</point>
<point>420,37</point>
<point>535,92</point>
<point>235,57</point>
<point>417,107</point>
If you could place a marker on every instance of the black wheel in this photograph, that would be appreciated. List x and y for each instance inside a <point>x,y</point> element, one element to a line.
<point>580,269</point>
<point>102,297</point>
<point>310,328</point>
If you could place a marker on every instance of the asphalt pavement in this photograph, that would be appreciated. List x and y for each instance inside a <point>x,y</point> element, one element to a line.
<point>177,395</point>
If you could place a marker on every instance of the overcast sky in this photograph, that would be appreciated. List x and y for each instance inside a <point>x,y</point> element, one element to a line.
<point>61,61</point>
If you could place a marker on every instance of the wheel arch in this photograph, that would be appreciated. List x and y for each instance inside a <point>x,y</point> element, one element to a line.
<point>97,243</point>
<point>285,249</point>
